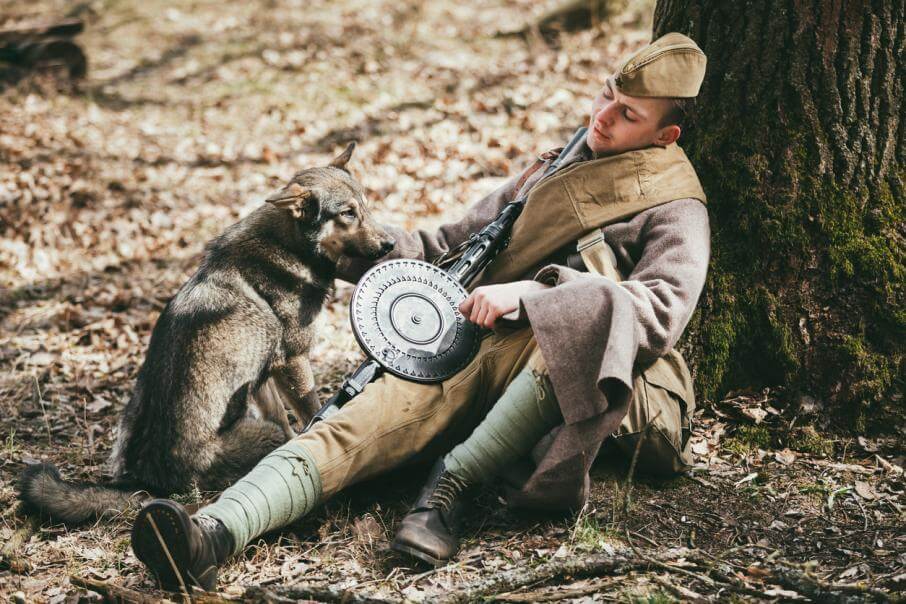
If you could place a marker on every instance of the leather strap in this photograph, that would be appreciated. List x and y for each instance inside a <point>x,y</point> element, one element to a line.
<point>539,161</point>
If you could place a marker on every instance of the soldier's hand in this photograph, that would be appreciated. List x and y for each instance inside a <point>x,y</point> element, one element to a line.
<point>488,303</point>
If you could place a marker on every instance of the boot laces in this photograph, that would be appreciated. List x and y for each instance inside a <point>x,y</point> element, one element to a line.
<point>447,489</point>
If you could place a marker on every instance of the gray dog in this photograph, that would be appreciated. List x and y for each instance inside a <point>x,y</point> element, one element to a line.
<point>199,415</point>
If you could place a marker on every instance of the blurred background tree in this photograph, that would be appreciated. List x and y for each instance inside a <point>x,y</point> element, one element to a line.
<point>798,135</point>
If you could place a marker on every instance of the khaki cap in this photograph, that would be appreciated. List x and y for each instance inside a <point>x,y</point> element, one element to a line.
<point>671,66</point>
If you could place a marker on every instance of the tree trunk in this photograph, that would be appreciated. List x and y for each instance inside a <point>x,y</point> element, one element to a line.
<point>798,136</point>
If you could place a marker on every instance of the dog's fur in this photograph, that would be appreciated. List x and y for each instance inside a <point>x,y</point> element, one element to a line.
<point>201,414</point>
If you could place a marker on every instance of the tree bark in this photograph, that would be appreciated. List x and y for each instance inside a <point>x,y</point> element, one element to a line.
<point>798,136</point>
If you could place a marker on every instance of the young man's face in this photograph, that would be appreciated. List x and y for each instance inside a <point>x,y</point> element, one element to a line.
<point>619,122</point>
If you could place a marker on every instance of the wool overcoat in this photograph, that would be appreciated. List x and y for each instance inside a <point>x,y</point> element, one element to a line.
<point>593,332</point>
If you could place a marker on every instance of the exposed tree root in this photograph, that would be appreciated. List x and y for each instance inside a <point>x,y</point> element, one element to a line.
<point>555,594</point>
<point>293,593</point>
<point>814,588</point>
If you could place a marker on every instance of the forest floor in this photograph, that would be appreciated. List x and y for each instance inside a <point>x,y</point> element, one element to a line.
<point>190,115</point>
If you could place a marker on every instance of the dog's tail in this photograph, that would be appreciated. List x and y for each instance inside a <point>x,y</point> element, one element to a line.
<point>44,492</point>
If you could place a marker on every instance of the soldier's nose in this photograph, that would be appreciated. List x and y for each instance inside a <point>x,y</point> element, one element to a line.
<point>605,116</point>
<point>387,245</point>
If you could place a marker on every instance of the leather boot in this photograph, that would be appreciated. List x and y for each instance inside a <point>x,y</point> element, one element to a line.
<point>180,551</point>
<point>430,531</point>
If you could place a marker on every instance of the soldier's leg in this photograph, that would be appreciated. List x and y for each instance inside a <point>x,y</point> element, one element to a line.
<point>388,425</point>
<point>382,427</point>
<point>525,411</point>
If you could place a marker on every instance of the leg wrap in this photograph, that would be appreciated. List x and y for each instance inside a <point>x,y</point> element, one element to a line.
<point>283,487</point>
<point>527,411</point>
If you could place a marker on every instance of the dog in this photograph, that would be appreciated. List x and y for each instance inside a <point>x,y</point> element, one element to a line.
<point>204,410</point>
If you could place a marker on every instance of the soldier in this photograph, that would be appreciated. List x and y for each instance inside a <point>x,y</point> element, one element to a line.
<point>590,357</point>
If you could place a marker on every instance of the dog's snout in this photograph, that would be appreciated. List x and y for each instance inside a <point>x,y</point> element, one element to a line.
<point>387,246</point>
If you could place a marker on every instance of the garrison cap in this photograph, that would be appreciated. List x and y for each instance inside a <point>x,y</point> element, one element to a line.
<point>671,66</point>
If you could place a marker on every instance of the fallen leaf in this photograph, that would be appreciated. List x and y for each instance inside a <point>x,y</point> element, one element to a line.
<point>869,446</point>
<point>865,490</point>
<point>852,571</point>
<point>98,404</point>
<point>367,530</point>
<point>890,467</point>
<point>755,413</point>
<point>748,478</point>
<point>785,456</point>
<point>41,359</point>
<point>758,573</point>
<point>783,593</point>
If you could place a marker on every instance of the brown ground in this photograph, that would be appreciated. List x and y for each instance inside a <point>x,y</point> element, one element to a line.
<point>191,114</point>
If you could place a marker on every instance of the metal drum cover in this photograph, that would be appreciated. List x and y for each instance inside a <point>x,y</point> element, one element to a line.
<point>405,315</point>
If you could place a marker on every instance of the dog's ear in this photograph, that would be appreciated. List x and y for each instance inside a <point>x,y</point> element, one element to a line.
<point>301,202</point>
<point>342,159</point>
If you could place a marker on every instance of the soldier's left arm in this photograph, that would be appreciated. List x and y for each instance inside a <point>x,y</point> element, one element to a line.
<point>663,286</point>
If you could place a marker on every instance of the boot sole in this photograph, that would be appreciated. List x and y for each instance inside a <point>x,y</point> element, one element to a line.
<point>419,554</point>
<point>160,539</point>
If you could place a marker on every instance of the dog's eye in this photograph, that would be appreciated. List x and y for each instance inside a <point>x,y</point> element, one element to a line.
<point>349,214</point>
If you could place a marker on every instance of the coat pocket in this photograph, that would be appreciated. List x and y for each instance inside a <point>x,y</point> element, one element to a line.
<point>659,420</point>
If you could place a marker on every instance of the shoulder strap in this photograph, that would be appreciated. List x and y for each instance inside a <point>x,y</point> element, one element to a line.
<point>598,255</point>
<point>539,161</point>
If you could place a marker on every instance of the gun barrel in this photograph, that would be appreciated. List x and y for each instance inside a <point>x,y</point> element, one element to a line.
<point>487,243</point>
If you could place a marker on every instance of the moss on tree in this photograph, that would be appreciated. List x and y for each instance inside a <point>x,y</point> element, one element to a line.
<point>802,158</point>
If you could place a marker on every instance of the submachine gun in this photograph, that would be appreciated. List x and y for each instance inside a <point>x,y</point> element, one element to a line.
<point>405,313</point>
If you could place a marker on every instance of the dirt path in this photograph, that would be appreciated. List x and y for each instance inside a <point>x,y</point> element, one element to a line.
<point>191,115</point>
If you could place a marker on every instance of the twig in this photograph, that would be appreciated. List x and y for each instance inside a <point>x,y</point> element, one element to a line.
<point>648,540</point>
<point>862,508</point>
<point>163,545</point>
<point>583,511</point>
<point>592,566</point>
<point>40,399</point>
<point>700,481</point>
<point>734,583</point>
<point>421,576</point>
<point>635,457</point>
<point>112,593</point>
<point>684,594</point>
<point>673,569</point>
<point>116,593</point>
<point>822,591</point>
<point>307,592</point>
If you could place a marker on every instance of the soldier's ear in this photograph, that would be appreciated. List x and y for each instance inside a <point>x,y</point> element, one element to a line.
<point>667,135</point>
<point>342,159</point>
<point>298,201</point>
